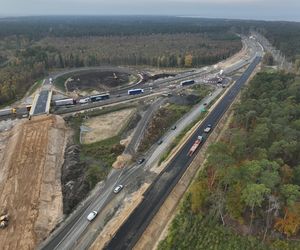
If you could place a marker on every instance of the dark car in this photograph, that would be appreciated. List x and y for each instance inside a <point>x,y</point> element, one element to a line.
<point>140,161</point>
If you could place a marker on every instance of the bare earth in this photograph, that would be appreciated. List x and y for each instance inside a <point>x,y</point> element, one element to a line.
<point>105,126</point>
<point>30,188</point>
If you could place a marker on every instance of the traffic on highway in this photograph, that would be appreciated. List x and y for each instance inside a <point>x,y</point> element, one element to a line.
<point>76,227</point>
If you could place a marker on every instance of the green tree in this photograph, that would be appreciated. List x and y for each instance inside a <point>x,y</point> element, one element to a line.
<point>253,195</point>
<point>291,194</point>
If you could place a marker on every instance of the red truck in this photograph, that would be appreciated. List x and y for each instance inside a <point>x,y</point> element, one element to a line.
<point>195,145</point>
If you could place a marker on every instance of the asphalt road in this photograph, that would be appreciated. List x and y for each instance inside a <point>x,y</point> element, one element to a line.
<point>129,233</point>
<point>40,107</point>
<point>160,84</point>
<point>71,230</point>
<point>140,129</point>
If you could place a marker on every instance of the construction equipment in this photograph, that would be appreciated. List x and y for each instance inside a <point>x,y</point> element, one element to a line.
<point>4,218</point>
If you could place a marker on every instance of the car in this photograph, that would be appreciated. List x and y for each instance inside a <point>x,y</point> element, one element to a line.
<point>205,104</point>
<point>208,128</point>
<point>140,161</point>
<point>118,189</point>
<point>92,215</point>
<point>160,142</point>
<point>174,127</point>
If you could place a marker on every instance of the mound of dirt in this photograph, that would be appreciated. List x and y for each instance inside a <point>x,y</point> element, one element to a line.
<point>101,81</point>
<point>30,186</point>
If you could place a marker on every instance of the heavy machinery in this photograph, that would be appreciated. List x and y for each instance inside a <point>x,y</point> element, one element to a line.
<point>4,218</point>
<point>4,112</point>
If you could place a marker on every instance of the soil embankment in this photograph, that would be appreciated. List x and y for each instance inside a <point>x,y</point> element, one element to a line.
<point>30,183</point>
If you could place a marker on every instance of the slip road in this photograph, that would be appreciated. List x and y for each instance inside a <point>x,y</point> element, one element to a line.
<point>130,232</point>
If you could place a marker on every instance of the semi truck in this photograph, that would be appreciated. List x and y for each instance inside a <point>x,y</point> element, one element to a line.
<point>135,91</point>
<point>195,145</point>
<point>65,102</point>
<point>4,112</point>
<point>100,97</point>
<point>84,100</point>
<point>187,82</point>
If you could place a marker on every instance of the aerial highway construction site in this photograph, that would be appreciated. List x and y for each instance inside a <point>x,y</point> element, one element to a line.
<point>89,157</point>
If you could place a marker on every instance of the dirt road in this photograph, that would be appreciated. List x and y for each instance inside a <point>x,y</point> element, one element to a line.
<point>30,189</point>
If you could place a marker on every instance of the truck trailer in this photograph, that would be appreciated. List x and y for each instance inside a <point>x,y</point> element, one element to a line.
<point>64,102</point>
<point>195,145</point>
<point>135,91</point>
<point>187,82</point>
<point>9,111</point>
<point>101,97</point>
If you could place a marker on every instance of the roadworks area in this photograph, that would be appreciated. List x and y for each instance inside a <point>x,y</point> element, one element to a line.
<point>31,155</point>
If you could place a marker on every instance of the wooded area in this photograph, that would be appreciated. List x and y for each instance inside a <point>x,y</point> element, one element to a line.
<point>251,182</point>
<point>32,46</point>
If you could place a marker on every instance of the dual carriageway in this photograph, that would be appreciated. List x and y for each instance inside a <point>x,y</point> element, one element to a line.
<point>78,233</point>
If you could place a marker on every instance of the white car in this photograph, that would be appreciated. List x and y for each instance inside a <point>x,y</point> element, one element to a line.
<point>118,189</point>
<point>92,215</point>
<point>207,129</point>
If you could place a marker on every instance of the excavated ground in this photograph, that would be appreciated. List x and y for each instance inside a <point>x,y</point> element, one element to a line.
<point>30,181</point>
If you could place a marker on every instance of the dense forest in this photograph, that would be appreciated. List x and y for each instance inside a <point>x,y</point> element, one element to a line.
<point>248,195</point>
<point>285,36</point>
<point>32,46</point>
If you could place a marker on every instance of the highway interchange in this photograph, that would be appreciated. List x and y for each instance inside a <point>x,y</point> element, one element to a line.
<point>131,230</point>
<point>76,227</point>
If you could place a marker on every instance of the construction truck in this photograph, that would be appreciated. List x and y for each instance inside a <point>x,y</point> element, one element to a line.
<point>4,220</point>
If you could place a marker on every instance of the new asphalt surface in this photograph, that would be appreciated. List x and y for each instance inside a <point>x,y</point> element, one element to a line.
<point>129,233</point>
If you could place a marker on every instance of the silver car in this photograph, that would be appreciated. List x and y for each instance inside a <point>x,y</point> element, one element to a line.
<point>118,189</point>
<point>92,215</point>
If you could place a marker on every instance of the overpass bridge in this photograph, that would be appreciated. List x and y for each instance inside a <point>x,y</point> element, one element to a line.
<point>41,103</point>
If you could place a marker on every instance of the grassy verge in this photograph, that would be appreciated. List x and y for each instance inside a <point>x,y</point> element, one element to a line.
<point>161,122</point>
<point>59,82</point>
<point>201,91</point>
<point>189,127</point>
<point>98,156</point>
<point>179,138</point>
<point>35,86</point>
<point>133,78</point>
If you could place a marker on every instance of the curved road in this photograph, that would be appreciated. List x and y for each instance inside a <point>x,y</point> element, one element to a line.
<point>129,233</point>
<point>66,236</point>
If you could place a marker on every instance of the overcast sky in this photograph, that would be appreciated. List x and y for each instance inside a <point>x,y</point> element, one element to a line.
<point>241,9</point>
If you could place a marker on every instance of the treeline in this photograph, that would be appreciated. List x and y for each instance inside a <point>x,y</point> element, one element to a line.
<point>251,182</point>
<point>80,26</point>
<point>285,36</point>
<point>168,50</point>
<point>31,46</point>
<point>21,72</point>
